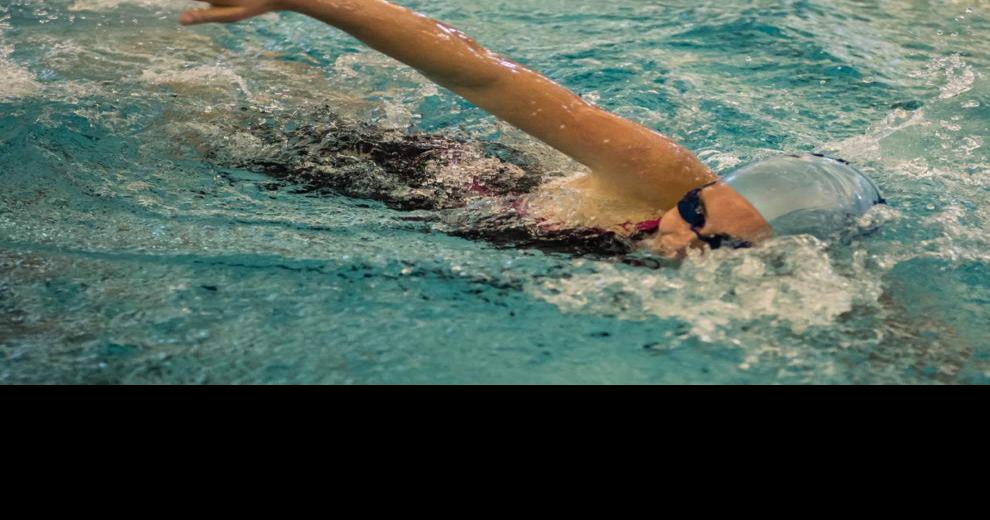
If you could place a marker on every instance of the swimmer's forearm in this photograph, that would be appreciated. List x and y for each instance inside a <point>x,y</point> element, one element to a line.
<point>452,59</point>
<point>439,51</point>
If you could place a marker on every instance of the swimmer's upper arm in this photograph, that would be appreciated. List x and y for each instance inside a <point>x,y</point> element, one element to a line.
<point>632,159</point>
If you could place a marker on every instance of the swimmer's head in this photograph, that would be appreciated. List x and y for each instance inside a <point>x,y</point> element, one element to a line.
<point>712,216</point>
<point>808,194</point>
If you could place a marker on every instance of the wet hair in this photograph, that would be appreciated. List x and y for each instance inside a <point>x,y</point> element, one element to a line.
<point>405,171</point>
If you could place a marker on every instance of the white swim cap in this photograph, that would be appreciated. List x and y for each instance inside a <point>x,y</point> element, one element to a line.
<point>807,194</point>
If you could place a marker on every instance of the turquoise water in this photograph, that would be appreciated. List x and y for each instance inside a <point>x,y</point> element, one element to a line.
<point>127,256</point>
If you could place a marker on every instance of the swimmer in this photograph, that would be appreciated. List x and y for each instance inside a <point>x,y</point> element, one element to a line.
<point>643,187</point>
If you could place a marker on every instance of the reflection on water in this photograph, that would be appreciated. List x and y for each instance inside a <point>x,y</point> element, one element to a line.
<point>129,253</point>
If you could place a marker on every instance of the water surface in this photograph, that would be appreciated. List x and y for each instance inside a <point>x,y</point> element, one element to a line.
<point>128,254</point>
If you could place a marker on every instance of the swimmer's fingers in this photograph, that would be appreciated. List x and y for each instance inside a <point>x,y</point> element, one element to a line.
<point>223,3</point>
<point>216,15</point>
<point>229,3</point>
<point>226,11</point>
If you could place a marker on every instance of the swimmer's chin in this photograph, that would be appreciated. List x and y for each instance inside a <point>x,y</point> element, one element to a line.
<point>666,246</point>
<point>655,249</point>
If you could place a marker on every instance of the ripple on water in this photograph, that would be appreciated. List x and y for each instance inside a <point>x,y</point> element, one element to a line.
<point>129,253</point>
<point>15,80</point>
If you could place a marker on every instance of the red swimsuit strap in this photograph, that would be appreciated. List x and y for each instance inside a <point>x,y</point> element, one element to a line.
<point>648,226</point>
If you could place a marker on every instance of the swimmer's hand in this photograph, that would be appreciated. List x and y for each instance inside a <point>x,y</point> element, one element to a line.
<point>227,11</point>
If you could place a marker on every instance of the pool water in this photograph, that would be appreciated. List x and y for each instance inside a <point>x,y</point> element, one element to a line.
<point>129,254</point>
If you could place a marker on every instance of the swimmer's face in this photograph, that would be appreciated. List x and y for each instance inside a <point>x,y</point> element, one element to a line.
<point>727,214</point>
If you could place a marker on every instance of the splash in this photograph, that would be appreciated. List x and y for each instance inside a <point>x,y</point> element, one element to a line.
<point>868,146</point>
<point>792,282</point>
<point>209,76</point>
<point>15,81</point>
<point>107,5</point>
<point>954,74</point>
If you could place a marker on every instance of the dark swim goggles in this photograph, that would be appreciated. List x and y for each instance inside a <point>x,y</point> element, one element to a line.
<point>692,210</point>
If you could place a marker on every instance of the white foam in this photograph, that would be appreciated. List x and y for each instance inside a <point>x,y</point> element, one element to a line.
<point>719,160</point>
<point>15,81</point>
<point>107,5</point>
<point>867,146</point>
<point>791,283</point>
<point>954,74</point>
<point>201,76</point>
<point>962,238</point>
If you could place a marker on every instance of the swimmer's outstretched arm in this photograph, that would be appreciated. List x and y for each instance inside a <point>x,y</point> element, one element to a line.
<point>630,159</point>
